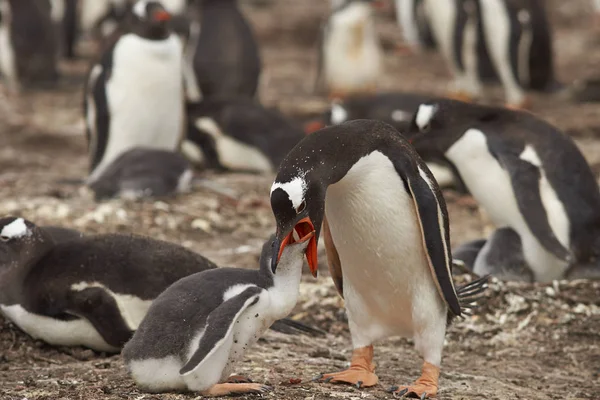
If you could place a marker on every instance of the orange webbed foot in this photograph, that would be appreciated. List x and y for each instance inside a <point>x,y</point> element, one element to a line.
<point>238,379</point>
<point>226,389</point>
<point>424,387</point>
<point>361,371</point>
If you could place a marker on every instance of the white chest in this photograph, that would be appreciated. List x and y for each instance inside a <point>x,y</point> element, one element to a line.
<point>491,186</point>
<point>375,230</point>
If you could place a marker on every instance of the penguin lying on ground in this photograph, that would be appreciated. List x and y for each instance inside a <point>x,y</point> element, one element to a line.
<point>134,95</point>
<point>514,36</point>
<point>386,233</point>
<point>90,291</point>
<point>238,134</point>
<point>528,176</point>
<point>350,55</point>
<point>28,44</point>
<point>223,52</point>
<point>396,109</point>
<point>143,172</point>
<point>197,330</point>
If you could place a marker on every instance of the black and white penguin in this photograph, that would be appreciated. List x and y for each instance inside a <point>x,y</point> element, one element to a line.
<point>513,38</point>
<point>134,96</point>
<point>71,289</point>
<point>223,52</point>
<point>386,233</point>
<point>416,31</point>
<point>101,18</point>
<point>197,330</point>
<point>396,109</point>
<point>526,174</point>
<point>238,134</point>
<point>28,45</point>
<point>350,58</point>
<point>143,172</point>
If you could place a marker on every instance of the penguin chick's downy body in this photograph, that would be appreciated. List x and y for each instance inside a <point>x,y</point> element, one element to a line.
<point>134,95</point>
<point>350,55</point>
<point>69,289</point>
<point>202,325</point>
<point>143,172</point>
<point>512,37</point>
<point>527,175</point>
<point>28,43</point>
<point>386,233</point>
<point>238,134</point>
<point>226,59</point>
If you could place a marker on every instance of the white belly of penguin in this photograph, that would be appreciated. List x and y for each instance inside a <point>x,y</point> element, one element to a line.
<point>491,186</point>
<point>145,96</point>
<point>376,233</point>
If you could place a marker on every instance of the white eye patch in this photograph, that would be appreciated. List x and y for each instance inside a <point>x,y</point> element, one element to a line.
<point>338,114</point>
<point>425,114</point>
<point>140,8</point>
<point>15,229</point>
<point>295,190</point>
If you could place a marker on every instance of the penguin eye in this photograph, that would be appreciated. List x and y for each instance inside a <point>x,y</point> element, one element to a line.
<point>301,207</point>
<point>426,128</point>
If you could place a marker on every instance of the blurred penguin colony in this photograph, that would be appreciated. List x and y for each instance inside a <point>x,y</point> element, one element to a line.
<point>174,89</point>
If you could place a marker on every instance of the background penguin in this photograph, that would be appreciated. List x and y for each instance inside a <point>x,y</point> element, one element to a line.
<point>526,174</point>
<point>238,134</point>
<point>416,31</point>
<point>343,177</point>
<point>101,18</point>
<point>69,289</point>
<point>28,46</point>
<point>226,59</point>
<point>143,172</point>
<point>134,95</point>
<point>202,325</point>
<point>350,55</point>
<point>396,109</point>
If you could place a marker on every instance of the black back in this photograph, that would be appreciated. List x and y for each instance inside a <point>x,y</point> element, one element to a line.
<point>246,121</point>
<point>227,60</point>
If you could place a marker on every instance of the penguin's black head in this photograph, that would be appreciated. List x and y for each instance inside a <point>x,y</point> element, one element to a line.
<point>298,205</point>
<point>436,125</point>
<point>151,20</point>
<point>21,243</point>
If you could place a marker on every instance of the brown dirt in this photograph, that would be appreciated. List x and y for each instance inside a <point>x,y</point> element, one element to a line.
<point>526,342</point>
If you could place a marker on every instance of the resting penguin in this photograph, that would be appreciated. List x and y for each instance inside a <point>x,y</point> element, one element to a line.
<point>28,45</point>
<point>134,95</point>
<point>89,290</point>
<point>527,175</point>
<point>224,53</point>
<point>238,134</point>
<point>350,55</point>
<point>386,233</point>
<point>202,325</point>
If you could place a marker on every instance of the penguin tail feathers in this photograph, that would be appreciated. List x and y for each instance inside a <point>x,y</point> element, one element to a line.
<point>291,327</point>
<point>469,295</point>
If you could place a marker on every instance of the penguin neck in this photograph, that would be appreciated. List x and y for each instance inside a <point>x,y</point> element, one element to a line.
<point>286,285</point>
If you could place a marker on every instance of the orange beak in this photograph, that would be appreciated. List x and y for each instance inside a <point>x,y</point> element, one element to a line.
<point>313,126</point>
<point>161,15</point>
<point>306,231</point>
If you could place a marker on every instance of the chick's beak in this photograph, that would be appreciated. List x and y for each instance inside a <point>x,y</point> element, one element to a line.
<point>161,15</point>
<point>305,230</point>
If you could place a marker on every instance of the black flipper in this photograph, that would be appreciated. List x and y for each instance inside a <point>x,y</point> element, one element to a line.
<point>291,327</point>
<point>433,221</point>
<point>219,326</point>
<point>524,174</point>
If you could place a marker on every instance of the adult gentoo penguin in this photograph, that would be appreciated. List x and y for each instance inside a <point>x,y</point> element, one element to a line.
<point>386,233</point>
<point>527,175</point>
<point>202,325</point>
<point>28,45</point>
<point>350,55</point>
<point>416,31</point>
<point>238,134</point>
<point>134,95</point>
<point>226,59</point>
<point>87,290</point>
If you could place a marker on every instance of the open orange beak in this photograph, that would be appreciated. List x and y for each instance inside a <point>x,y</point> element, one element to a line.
<point>161,15</point>
<point>305,231</point>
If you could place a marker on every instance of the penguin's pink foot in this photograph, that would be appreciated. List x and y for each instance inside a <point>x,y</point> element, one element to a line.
<point>460,95</point>
<point>424,387</point>
<point>238,379</point>
<point>361,371</point>
<point>525,104</point>
<point>226,389</point>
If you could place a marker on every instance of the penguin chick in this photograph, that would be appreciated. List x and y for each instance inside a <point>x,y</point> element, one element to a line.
<point>202,325</point>
<point>134,95</point>
<point>350,55</point>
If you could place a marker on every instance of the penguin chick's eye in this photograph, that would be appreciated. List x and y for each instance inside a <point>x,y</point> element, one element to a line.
<point>301,207</point>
